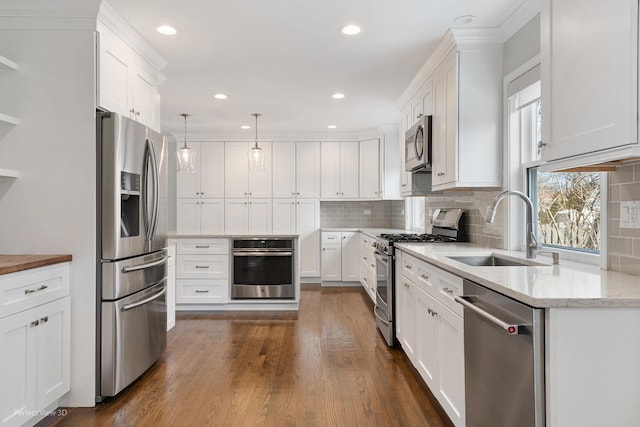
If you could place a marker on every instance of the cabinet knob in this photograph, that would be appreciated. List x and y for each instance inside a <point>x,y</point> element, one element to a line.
<point>298,194</point>
<point>406,285</point>
<point>45,319</point>
<point>293,194</point>
<point>324,249</point>
<point>337,194</point>
<point>425,276</point>
<point>35,323</point>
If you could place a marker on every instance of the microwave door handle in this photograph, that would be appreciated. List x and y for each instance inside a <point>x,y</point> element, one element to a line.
<point>420,131</point>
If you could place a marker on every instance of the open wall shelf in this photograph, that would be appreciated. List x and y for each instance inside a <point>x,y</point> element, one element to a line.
<point>8,173</point>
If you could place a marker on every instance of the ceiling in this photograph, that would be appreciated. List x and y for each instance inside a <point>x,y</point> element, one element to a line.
<point>285,58</point>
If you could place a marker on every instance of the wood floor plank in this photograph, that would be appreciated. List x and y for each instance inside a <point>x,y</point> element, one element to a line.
<point>326,365</point>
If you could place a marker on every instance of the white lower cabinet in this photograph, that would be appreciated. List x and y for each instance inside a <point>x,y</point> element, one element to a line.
<point>35,352</point>
<point>202,271</point>
<point>340,256</point>
<point>430,332</point>
<point>368,265</point>
<point>171,285</point>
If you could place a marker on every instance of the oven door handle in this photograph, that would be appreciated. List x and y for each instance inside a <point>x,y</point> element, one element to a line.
<point>381,257</point>
<point>382,319</point>
<point>243,253</point>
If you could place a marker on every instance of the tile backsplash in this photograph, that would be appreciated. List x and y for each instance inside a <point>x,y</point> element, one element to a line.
<point>475,205</point>
<point>624,244</point>
<point>362,214</point>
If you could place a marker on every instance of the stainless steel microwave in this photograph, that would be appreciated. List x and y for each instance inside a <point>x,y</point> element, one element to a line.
<point>417,147</point>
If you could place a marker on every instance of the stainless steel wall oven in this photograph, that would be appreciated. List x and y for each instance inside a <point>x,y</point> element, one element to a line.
<point>263,268</point>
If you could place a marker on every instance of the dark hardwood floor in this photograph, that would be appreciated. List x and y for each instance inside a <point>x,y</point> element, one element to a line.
<point>325,365</point>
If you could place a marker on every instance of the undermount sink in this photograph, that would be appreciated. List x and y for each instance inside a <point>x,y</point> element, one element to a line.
<point>494,261</point>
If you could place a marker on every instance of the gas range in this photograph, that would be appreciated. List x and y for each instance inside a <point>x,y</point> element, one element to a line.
<point>447,227</point>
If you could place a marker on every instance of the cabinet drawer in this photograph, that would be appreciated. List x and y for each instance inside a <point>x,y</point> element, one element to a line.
<point>203,246</point>
<point>331,237</point>
<point>447,286</point>
<point>409,266</point>
<point>26,289</point>
<point>202,291</point>
<point>368,279</point>
<point>202,267</point>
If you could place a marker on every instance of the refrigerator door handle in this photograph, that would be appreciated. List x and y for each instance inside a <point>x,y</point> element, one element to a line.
<point>156,185</point>
<point>128,307</point>
<point>145,192</point>
<point>144,266</point>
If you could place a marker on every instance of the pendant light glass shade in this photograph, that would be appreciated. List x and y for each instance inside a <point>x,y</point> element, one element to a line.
<point>256,155</point>
<point>186,156</point>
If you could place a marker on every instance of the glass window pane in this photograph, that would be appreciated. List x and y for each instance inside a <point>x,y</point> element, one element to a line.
<point>568,208</point>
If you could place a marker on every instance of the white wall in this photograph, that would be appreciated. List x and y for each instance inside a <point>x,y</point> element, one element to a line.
<point>522,46</point>
<point>50,208</point>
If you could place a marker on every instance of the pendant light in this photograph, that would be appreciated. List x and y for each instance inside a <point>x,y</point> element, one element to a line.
<point>256,155</point>
<point>186,156</point>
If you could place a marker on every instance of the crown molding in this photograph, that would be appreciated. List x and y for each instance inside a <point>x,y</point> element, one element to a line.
<point>377,132</point>
<point>518,19</point>
<point>48,15</point>
<point>111,20</point>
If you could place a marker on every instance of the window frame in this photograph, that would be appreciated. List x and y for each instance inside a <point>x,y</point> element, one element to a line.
<point>516,177</point>
<point>412,217</point>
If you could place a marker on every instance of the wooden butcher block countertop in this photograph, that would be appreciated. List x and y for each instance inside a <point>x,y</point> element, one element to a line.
<point>13,263</point>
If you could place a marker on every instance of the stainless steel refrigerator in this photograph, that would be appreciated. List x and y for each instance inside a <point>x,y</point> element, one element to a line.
<point>132,258</point>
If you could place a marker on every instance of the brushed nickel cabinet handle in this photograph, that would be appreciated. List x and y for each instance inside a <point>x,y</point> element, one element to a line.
<point>198,291</point>
<point>202,266</point>
<point>31,291</point>
<point>447,290</point>
<point>202,246</point>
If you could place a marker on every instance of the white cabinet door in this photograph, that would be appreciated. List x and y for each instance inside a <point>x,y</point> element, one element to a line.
<point>188,183</point>
<point>350,256</point>
<point>54,347</point>
<point>260,181</point>
<point>445,113</point>
<point>211,169</point>
<point>260,216</point>
<point>17,367</point>
<point>188,215</point>
<point>113,82</point>
<point>308,229</point>
<point>426,351</point>
<point>308,170</point>
<point>589,95</point>
<point>143,97</point>
<point>408,311</point>
<point>330,176</point>
<point>284,216</point>
<point>451,361</point>
<point>405,177</point>
<point>284,170</point>
<point>35,372</point>
<point>236,166</point>
<point>236,216</point>
<point>349,159</point>
<point>331,263</point>
<point>369,169</point>
<point>212,216</point>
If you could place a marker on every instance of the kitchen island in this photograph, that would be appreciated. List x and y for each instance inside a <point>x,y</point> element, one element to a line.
<point>591,316</point>
<point>204,275</point>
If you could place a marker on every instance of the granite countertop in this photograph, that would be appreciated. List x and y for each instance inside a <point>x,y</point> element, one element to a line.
<point>569,284</point>
<point>14,263</point>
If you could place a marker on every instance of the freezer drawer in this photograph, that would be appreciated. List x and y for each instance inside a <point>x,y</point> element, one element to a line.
<point>125,277</point>
<point>134,335</point>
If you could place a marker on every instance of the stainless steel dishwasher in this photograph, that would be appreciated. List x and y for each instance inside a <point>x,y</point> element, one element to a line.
<point>504,360</point>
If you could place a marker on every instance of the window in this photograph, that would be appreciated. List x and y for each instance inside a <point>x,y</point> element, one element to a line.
<point>567,205</point>
<point>414,214</point>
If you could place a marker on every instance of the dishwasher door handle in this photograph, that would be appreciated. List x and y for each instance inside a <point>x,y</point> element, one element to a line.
<point>510,328</point>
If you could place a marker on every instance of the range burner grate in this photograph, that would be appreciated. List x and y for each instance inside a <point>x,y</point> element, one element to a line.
<point>406,237</point>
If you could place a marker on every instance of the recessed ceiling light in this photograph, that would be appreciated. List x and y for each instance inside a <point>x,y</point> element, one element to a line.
<point>220,96</point>
<point>245,127</point>
<point>332,126</point>
<point>351,29</point>
<point>337,95</point>
<point>167,30</point>
<point>464,20</point>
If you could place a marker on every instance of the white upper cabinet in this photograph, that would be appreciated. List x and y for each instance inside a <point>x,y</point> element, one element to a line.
<point>248,216</point>
<point>369,167</point>
<point>296,169</point>
<point>339,162</point>
<point>239,180</point>
<point>589,75</point>
<point>308,170</point>
<point>208,179</point>
<point>467,119</point>
<point>460,85</point>
<point>127,83</point>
